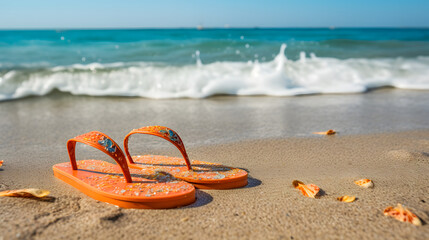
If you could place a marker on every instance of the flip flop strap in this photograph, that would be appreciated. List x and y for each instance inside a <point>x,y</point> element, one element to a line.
<point>162,132</point>
<point>102,142</point>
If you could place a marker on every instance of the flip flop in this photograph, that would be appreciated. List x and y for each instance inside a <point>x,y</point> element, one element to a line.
<point>119,185</point>
<point>204,175</point>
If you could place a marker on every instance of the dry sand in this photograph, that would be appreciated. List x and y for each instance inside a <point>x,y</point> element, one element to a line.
<point>269,208</point>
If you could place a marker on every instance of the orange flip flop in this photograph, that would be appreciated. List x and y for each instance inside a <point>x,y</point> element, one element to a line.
<point>119,185</point>
<point>201,174</point>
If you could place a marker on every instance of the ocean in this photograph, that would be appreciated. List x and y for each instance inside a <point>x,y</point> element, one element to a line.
<point>190,63</point>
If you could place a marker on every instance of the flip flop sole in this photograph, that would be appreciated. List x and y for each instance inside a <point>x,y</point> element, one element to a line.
<point>229,185</point>
<point>205,175</point>
<point>103,181</point>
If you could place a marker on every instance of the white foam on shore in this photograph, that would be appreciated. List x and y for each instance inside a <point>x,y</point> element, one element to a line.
<point>280,77</point>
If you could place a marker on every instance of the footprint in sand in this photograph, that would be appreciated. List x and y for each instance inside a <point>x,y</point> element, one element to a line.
<point>409,156</point>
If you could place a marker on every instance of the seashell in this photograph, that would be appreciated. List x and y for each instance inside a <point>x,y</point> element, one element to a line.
<point>30,192</point>
<point>346,198</point>
<point>309,190</point>
<point>402,214</point>
<point>1,163</point>
<point>329,132</point>
<point>366,183</point>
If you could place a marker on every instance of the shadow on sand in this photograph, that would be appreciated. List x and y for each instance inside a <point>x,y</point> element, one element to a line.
<point>203,199</point>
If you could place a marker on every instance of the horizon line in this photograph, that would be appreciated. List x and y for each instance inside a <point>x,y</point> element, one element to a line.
<point>202,28</point>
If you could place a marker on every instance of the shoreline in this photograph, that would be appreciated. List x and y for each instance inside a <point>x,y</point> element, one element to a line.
<point>215,120</point>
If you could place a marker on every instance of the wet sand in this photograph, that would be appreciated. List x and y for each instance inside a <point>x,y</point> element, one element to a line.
<point>382,136</point>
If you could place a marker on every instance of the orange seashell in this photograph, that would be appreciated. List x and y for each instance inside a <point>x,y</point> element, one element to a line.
<point>31,192</point>
<point>1,163</point>
<point>346,198</point>
<point>309,190</point>
<point>402,214</point>
<point>366,183</point>
<point>329,132</point>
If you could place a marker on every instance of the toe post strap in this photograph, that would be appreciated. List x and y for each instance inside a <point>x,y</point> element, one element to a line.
<point>103,143</point>
<point>162,132</point>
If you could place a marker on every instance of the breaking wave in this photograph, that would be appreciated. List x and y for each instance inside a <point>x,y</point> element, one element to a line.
<point>279,77</point>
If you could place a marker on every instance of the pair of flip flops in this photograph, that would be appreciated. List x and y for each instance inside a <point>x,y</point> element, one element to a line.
<point>147,181</point>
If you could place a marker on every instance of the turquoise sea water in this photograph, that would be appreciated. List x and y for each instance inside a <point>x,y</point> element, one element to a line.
<point>171,63</point>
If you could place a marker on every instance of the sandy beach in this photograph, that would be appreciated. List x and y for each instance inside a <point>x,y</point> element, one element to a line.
<point>382,135</point>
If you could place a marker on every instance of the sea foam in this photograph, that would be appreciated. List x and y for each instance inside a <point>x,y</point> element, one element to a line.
<point>279,77</point>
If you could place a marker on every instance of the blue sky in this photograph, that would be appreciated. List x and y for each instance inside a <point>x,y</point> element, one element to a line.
<point>212,13</point>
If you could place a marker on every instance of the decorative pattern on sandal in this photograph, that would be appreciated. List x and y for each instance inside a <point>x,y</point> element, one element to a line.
<point>163,132</point>
<point>102,142</point>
